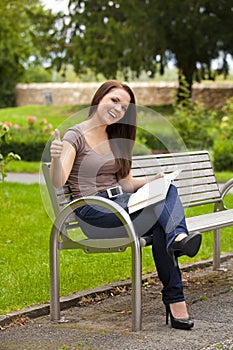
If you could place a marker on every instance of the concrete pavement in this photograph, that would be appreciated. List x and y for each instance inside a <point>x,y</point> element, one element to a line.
<point>100,319</point>
<point>26,178</point>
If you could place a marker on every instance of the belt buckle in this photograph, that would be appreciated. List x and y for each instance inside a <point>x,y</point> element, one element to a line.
<point>114,191</point>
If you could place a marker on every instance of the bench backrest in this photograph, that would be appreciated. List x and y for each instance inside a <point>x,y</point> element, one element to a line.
<point>196,183</point>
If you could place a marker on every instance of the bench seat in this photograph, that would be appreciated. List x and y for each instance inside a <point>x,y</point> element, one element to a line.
<point>211,221</point>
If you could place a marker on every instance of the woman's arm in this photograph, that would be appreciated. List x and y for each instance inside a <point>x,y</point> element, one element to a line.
<point>63,155</point>
<point>132,184</point>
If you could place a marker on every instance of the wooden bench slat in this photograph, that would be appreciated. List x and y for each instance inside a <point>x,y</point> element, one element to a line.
<point>189,174</point>
<point>192,198</point>
<point>162,160</point>
<point>152,170</point>
<point>201,190</point>
<point>189,155</point>
<point>189,181</point>
<point>162,164</point>
<point>211,221</point>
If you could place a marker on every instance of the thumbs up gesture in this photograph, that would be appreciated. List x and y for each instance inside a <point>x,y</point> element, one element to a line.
<point>56,145</point>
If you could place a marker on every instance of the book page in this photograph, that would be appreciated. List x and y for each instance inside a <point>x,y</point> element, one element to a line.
<point>152,192</point>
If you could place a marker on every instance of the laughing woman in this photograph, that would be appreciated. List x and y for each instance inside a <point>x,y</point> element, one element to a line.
<point>95,156</point>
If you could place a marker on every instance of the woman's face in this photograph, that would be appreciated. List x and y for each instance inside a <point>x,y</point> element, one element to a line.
<point>112,106</point>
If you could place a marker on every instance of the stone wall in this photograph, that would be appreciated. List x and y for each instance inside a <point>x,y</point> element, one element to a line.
<point>213,95</point>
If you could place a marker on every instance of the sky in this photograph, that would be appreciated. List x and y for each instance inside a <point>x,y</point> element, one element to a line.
<point>59,5</point>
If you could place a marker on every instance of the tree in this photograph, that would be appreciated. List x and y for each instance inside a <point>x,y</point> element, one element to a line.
<point>136,35</point>
<point>27,36</point>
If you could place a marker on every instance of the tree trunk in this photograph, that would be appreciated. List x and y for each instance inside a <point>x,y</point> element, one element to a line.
<point>185,79</point>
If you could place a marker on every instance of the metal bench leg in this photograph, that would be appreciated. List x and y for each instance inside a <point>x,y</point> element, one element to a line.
<point>136,287</point>
<point>216,256</point>
<point>54,278</point>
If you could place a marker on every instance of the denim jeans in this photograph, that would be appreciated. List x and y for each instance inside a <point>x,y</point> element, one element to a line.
<point>164,220</point>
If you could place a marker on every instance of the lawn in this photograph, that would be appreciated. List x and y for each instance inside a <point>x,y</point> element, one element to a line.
<point>24,258</point>
<point>25,228</point>
<point>54,114</point>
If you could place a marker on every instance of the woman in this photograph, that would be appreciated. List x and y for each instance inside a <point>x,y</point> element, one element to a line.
<point>95,156</point>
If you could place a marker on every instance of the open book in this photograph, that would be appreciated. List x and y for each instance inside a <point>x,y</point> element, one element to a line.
<point>152,192</point>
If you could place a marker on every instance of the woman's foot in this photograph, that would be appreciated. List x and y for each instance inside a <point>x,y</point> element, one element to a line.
<point>180,237</point>
<point>179,310</point>
<point>179,316</point>
<point>185,245</point>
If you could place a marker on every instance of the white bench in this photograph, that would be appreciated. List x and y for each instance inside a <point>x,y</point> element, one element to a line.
<point>196,185</point>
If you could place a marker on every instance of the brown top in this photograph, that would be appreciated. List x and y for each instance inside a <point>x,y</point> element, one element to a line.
<point>91,172</point>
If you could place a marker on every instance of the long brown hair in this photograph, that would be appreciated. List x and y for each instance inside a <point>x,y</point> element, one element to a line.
<point>123,133</point>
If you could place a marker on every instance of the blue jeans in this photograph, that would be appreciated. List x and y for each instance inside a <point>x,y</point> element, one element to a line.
<point>164,220</point>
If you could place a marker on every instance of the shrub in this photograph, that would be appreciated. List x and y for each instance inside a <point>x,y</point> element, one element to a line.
<point>194,122</point>
<point>9,156</point>
<point>223,155</point>
<point>29,141</point>
<point>223,145</point>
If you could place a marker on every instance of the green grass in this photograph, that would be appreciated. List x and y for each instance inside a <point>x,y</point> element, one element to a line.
<point>24,258</point>
<point>53,114</point>
<point>23,167</point>
<point>25,228</point>
<point>224,176</point>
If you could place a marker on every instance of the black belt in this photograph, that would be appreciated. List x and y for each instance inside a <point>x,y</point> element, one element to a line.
<point>111,192</point>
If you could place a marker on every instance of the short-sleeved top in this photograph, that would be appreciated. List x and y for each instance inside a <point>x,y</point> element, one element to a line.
<point>91,172</point>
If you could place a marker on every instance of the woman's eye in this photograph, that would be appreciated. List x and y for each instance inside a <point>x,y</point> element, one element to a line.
<point>116,101</point>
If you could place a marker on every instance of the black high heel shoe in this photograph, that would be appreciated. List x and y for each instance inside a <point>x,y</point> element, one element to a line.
<point>178,323</point>
<point>189,246</point>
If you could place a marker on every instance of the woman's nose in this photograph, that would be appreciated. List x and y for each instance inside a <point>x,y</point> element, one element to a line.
<point>118,107</point>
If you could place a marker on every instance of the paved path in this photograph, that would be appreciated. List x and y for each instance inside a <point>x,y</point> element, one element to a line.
<point>102,320</point>
<point>25,178</point>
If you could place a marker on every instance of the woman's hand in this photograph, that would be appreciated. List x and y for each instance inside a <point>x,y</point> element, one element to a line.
<point>157,176</point>
<point>56,145</point>
<point>63,155</point>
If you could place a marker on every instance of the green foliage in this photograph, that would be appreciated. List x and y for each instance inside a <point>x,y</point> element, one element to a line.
<point>31,134</point>
<point>136,36</point>
<point>26,35</point>
<point>223,155</point>
<point>223,144</point>
<point>10,156</point>
<point>29,140</point>
<point>194,122</point>
<point>227,120</point>
<point>37,75</point>
<point>141,148</point>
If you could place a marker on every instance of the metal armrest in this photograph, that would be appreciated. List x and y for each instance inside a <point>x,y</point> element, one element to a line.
<point>223,191</point>
<point>100,201</point>
<point>226,187</point>
<point>133,242</point>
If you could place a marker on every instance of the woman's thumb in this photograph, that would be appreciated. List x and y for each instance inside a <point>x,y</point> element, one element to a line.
<point>57,135</point>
